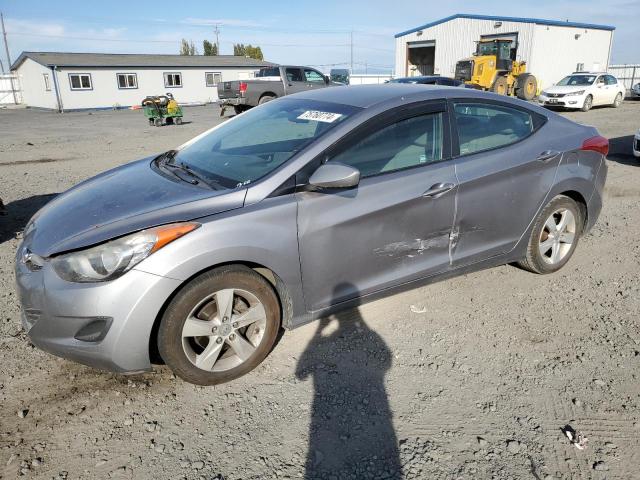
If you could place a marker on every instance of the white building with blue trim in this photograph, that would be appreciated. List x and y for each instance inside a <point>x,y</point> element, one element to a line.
<point>76,81</point>
<point>551,48</point>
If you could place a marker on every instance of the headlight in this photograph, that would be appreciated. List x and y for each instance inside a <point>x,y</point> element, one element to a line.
<point>112,259</point>
<point>579,92</point>
<point>544,93</point>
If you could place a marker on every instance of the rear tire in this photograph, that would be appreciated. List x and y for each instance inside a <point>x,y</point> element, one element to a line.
<point>618,101</point>
<point>265,99</point>
<point>178,120</point>
<point>588,103</point>
<point>218,344</point>
<point>554,236</point>
<point>240,108</point>
<point>527,87</point>
<point>157,122</point>
<point>500,86</point>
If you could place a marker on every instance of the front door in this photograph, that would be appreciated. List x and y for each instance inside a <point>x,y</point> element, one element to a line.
<point>395,225</point>
<point>503,174</point>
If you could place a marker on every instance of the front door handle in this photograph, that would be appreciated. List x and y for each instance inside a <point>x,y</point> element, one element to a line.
<point>547,155</point>
<point>438,189</point>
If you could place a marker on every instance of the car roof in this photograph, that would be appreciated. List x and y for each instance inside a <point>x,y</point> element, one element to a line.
<point>367,95</point>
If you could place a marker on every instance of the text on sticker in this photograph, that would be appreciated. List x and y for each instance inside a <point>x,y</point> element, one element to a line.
<point>318,116</point>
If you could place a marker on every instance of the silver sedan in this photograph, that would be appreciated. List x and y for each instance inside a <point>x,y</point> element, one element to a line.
<point>299,207</point>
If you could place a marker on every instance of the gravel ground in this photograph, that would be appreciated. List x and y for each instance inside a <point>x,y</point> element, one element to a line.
<point>469,378</point>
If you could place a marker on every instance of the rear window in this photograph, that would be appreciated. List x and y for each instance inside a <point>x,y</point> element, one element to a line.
<point>487,126</point>
<point>268,72</point>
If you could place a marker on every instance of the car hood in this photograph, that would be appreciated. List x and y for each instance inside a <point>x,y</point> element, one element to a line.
<point>566,88</point>
<point>121,201</point>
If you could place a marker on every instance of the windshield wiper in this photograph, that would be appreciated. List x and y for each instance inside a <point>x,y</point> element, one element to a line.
<point>166,160</point>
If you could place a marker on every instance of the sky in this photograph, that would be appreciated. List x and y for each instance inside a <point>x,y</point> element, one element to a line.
<point>306,32</point>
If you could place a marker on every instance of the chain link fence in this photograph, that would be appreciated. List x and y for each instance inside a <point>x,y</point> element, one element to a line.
<point>629,75</point>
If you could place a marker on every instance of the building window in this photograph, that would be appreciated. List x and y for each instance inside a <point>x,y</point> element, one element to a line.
<point>213,78</point>
<point>580,67</point>
<point>172,79</point>
<point>47,85</point>
<point>127,80</point>
<point>80,81</point>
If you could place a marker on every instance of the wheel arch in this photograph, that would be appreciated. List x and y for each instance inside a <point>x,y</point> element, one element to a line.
<point>267,94</point>
<point>282,293</point>
<point>577,197</point>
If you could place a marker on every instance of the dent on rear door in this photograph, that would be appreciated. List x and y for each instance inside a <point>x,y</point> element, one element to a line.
<point>499,195</point>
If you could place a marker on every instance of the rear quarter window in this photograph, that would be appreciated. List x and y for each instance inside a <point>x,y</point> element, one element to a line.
<point>483,126</point>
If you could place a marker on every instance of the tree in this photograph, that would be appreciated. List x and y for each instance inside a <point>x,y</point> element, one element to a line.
<point>187,48</point>
<point>209,48</point>
<point>242,50</point>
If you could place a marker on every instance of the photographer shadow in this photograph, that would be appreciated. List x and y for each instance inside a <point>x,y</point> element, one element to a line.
<point>351,433</point>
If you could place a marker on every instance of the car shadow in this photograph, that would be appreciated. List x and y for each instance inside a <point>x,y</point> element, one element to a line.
<point>621,151</point>
<point>351,432</point>
<point>19,212</point>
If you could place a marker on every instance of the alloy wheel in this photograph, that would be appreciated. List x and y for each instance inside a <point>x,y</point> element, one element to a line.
<point>557,236</point>
<point>224,330</point>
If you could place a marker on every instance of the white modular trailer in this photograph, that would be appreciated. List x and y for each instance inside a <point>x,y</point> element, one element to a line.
<point>76,81</point>
<point>552,49</point>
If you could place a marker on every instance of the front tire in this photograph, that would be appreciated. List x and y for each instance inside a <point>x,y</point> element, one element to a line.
<point>219,326</point>
<point>588,103</point>
<point>500,86</point>
<point>554,236</point>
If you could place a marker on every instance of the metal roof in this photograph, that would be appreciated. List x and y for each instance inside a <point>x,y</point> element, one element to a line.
<point>122,60</point>
<point>539,21</point>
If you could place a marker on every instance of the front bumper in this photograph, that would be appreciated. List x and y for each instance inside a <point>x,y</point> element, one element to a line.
<point>568,101</point>
<point>103,325</point>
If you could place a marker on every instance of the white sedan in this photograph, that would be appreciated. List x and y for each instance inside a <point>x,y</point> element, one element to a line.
<point>583,90</point>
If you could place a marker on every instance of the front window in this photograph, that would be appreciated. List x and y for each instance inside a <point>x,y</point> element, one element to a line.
<point>254,144</point>
<point>172,79</point>
<point>80,81</point>
<point>408,143</point>
<point>313,76</point>
<point>127,80</point>
<point>577,80</point>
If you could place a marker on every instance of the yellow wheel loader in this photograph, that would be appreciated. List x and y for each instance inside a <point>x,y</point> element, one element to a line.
<point>494,67</point>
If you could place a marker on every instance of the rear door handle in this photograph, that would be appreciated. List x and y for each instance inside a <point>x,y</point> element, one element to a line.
<point>438,189</point>
<point>547,155</point>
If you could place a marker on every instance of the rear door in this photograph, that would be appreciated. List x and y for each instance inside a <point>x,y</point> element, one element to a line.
<point>600,91</point>
<point>504,173</point>
<point>395,225</point>
<point>294,80</point>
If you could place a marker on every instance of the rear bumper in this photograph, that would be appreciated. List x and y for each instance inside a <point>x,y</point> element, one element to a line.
<point>636,146</point>
<point>594,205</point>
<point>233,102</point>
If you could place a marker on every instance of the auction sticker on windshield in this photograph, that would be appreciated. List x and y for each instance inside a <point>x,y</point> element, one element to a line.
<point>327,117</point>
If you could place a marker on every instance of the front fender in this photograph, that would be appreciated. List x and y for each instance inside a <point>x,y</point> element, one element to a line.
<point>264,234</point>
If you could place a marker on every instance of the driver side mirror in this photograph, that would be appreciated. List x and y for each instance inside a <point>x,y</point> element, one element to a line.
<point>335,175</point>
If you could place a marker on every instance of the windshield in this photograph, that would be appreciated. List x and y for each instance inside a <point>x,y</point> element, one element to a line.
<point>501,49</point>
<point>577,80</point>
<point>255,143</point>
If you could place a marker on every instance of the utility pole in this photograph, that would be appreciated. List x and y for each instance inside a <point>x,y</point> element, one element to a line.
<point>351,44</point>
<point>217,32</point>
<point>6,49</point>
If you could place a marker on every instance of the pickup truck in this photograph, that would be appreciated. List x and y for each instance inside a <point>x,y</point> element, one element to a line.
<point>269,83</point>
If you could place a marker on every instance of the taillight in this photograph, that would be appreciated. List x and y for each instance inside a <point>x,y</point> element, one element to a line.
<point>597,144</point>
<point>243,87</point>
